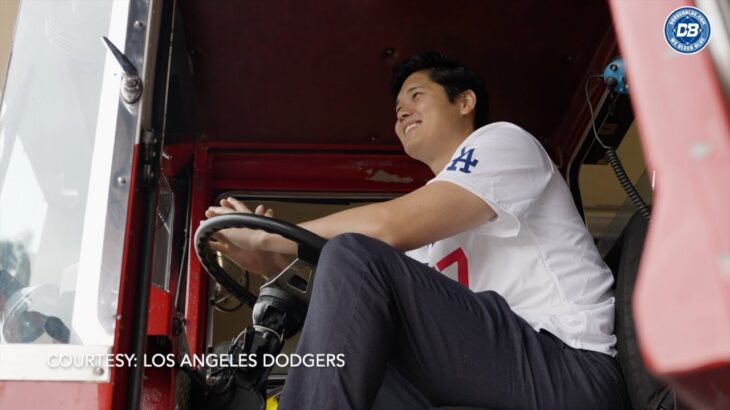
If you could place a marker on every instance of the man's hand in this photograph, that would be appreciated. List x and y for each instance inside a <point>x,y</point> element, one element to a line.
<point>243,238</point>
<point>241,245</point>
<point>262,262</point>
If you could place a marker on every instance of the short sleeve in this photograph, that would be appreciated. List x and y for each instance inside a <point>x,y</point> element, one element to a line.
<point>506,167</point>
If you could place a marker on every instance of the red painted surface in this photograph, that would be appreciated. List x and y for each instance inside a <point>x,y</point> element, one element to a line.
<point>175,157</point>
<point>158,387</point>
<point>158,392</point>
<point>54,395</point>
<point>682,297</point>
<point>127,286</point>
<point>159,322</point>
<point>336,171</point>
<point>195,306</point>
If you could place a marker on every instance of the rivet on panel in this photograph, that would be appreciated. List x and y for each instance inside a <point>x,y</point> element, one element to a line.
<point>724,260</point>
<point>699,150</point>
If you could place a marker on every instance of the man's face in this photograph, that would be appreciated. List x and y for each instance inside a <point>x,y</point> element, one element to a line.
<point>424,117</point>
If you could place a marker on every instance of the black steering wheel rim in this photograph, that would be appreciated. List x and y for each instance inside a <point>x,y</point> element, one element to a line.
<point>309,245</point>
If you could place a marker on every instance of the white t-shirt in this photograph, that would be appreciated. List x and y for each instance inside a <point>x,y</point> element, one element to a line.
<point>537,252</point>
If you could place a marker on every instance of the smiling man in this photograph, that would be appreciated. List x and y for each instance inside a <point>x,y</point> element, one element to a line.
<point>500,299</point>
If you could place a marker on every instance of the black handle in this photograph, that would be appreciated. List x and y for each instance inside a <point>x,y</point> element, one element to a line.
<point>123,61</point>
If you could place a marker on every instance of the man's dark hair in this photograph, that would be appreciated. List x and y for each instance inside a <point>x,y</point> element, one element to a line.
<point>452,76</point>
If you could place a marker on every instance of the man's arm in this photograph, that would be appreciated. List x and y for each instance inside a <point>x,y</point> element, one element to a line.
<point>432,212</point>
<point>435,211</point>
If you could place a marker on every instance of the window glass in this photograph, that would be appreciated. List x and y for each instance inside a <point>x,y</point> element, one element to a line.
<point>48,131</point>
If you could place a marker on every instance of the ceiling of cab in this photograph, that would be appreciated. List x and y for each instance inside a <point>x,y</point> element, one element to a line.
<point>317,71</point>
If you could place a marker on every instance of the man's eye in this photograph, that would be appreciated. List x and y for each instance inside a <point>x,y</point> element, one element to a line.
<point>416,94</point>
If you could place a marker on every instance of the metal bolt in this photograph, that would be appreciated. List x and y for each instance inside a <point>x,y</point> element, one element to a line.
<point>121,180</point>
<point>613,67</point>
<point>138,24</point>
<point>117,317</point>
<point>724,260</point>
<point>99,371</point>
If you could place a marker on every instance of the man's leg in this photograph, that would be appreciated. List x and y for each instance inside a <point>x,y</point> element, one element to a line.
<point>398,393</point>
<point>379,307</point>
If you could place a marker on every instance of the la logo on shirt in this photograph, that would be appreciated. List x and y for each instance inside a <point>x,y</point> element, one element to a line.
<point>465,159</point>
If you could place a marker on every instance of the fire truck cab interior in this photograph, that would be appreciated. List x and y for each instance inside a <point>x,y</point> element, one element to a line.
<point>286,104</point>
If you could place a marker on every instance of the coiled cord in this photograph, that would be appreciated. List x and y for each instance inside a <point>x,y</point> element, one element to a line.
<point>626,184</point>
<point>615,163</point>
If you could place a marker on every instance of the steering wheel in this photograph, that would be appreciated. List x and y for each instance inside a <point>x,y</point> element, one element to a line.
<point>309,246</point>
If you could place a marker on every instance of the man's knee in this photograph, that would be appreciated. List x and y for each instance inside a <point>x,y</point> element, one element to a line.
<point>352,247</point>
<point>350,254</point>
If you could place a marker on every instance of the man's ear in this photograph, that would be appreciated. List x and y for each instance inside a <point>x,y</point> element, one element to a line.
<point>467,102</point>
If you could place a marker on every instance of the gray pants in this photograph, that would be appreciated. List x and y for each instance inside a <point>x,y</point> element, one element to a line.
<point>413,338</point>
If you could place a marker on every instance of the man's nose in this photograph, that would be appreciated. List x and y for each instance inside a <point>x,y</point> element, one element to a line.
<point>404,113</point>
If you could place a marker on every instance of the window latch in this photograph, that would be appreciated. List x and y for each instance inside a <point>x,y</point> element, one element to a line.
<point>131,88</point>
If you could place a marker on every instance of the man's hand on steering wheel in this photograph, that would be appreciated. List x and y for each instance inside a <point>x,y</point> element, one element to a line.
<point>244,238</point>
<point>241,244</point>
<point>253,249</point>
